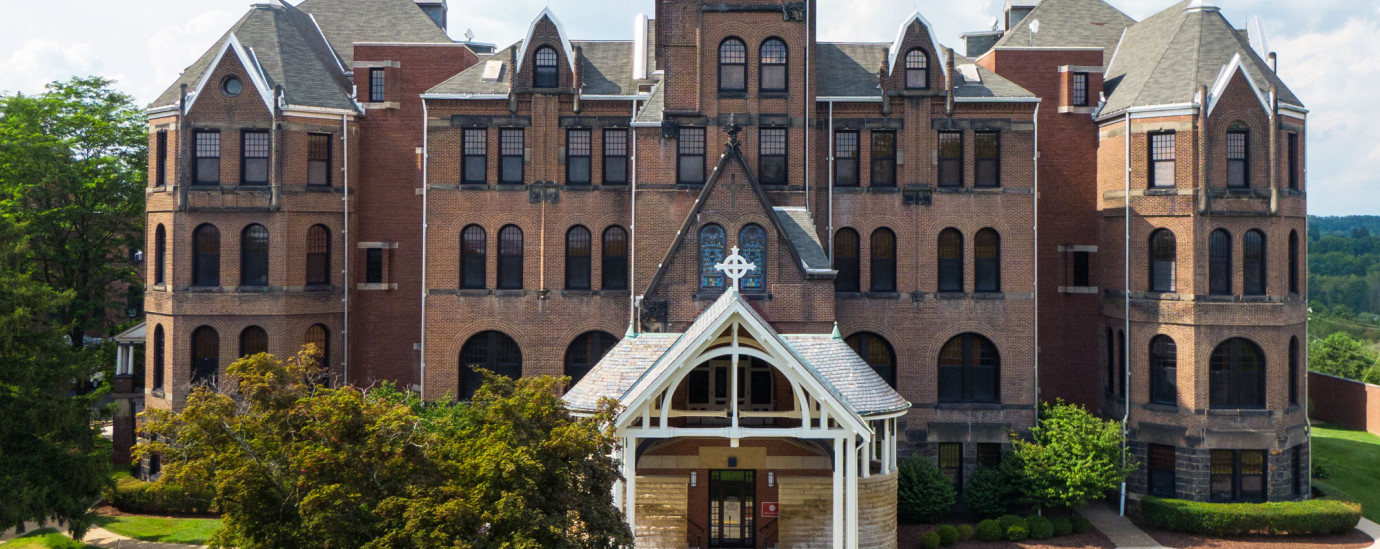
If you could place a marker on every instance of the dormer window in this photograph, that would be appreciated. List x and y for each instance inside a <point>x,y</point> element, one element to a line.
<point>231,86</point>
<point>732,66</point>
<point>917,70</point>
<point>546,68</point>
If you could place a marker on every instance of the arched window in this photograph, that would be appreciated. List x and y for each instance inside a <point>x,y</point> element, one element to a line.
<point>950,260</point>
<point>254,256</point>
<point>1163,259</point>
<point>1237,378</point>
<point>1219,262</point>
<point>1294,370</point>
<point>1293,262</point>
<point>846,260</point>
<point>318,336</point>
<point>969,370</point>
<point>578,250</point>
<point>712,244</point>
<point>917,70</point>
<point>773,66</point>
<point>160,254</point>
<point>877,352</point>
<point>585,352</point>
<point>492,351</point>
<point>510,258</point>
<point>732,65</point>
<point>883,260</point>
<point>1253,263</point>
<point>206,256</point>
<point>253,340</point>
<point>205,355</point>
<point>987,261</point>
<point>318,256</point>
<point>615,263</point>
<point>158,358</point>
<point>473,260</point>
<point>1164,360</point>
<point>752,241</point>
<point>546,65</point>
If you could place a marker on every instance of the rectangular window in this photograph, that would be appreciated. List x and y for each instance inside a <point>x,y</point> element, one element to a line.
<point>160,169</point>
<point>207,167</point>
<point>578,148</point>
<point>1160,467</point>
<point>772,156</point>
<point>1081,272</point>
<point>1080,89</point>
<point>376,85</point>
<point>254,158</point>
<point>987,159</point>
<point>988,454</point>
<point>474,162</point>
<point>510,155</point>
<point>690,156</point>
<point>373,266</point>
<point>1238,177</point>
<point>1162,159</point>
<point>319,159</point>
<point>884,159</point>
<point>1294,161</point>
<point>951,462</point>
<point>950,159</point>
<point>616,157</point>
<point>845,159</point>
<point>1238,475</point>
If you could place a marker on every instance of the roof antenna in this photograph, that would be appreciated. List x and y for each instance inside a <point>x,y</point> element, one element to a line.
<point>1034,30</point>
<point>469,35</point>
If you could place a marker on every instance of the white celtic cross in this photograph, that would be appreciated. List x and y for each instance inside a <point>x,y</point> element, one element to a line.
<point>736,267</point>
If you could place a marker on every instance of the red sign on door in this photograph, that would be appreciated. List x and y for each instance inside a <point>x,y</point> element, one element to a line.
<point>770,509</point>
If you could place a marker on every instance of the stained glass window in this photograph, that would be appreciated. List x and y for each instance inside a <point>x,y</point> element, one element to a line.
<point>753,243</point>
<point>712,242</point>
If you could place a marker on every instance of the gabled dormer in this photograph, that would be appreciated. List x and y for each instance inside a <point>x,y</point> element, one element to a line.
<point>545,60</point>
<point>915,61</point>
<point>234,81</point>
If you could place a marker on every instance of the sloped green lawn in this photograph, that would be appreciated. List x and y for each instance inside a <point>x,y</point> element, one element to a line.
<point>44,538</point>
<point>1352,460</point>
<point>195,531</point>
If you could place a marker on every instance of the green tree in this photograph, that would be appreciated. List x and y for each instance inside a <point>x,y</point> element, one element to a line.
<point>72,170</point>
<point>924,494</point>
<point>1072,457</point>
<point>1340,355</point>
<point>51,467</point>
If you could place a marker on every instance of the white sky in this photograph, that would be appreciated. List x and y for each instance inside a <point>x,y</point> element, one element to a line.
<point>1327,51</point>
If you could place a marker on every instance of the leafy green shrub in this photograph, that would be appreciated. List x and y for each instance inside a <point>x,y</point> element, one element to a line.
<point>1316,516</point>
<point>948,535</point>
<point>965,532</point>
<point>989,530</point>
<point>132,495</point>
<point>924,494</point>
<point>988,492</point>
<point>1040,527</point>
<point>1017,532</point>
<point>1320,471</point>
<point>1062,526</point>
<point>1080,524</point>
<point>929,540</point>
<point>1009,520</point>
<point>1072,457</point>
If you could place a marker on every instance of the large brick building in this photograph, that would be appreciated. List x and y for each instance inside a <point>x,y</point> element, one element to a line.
<point>341,172</point>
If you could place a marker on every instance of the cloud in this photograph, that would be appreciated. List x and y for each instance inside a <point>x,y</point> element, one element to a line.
<point>40,61</point>
<point>174,47</point>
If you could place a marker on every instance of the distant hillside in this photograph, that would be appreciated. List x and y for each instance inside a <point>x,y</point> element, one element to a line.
<point>1343,224</point>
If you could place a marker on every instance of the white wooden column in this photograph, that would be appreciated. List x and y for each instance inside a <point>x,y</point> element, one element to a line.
<point>851,495</point>
<point>838,492</point>
<point>630,481</point>
<point>867,456</point>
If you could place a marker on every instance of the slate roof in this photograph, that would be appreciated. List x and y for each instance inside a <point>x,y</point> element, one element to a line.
<point>1164,59</point>
<point>1070,23</point>
<point>831,361</point>
<point>652,110</point>
<point>346,22</point>
<point>850,70</point>
<point>471,81</point>
<point>800,230</point>
<point>290,51</point>
<point>607,71</point>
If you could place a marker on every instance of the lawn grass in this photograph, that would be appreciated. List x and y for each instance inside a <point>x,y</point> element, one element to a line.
<point>194,531</point>
<point>44,538</point>
<point>1350,458</point>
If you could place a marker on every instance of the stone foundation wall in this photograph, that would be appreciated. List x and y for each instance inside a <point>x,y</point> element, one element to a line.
<point>877,512</point>
<point>1193,473</point>
<point>661,512</point>
<point>807,509</point>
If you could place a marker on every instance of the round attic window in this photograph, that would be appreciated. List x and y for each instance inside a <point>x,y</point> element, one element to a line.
<point>232,86</point>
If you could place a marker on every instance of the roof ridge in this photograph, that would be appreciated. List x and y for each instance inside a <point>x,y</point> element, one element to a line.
<point>1160,58</point>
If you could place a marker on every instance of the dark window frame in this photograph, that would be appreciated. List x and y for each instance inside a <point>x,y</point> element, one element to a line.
<point>750,236</point>
<point>585,351</point>
<point>691,148</point>
<point>882,153</point>
<point>579,258</point>
<point>579,140</point>
<point>377,86</point>
<point>205,263</point>
<point>159,358</point>
<point>987,159</point>
<point>202,158</point>
<point>1240,157</point>
<point>1079,89</point>
<point>318,256</point>
<point>373,266</point>
<point>773,145</point>
<point>1082,269</point>
<point>512,153</point>
<point>493,345</point>
<point>711,279</point>
<point>1164,362</point>
<point>987,270</point>
<point>1254,263</point>
<point>732,54</point>
<point>321,157</point>
<point>1122,358</point>
<point>1237,476</point>
<point>246,159</point>
<point>1294,262</point>
<point>254,256</point>
<point>882,268</point>
<point>160,170</point>
<point>253,336</point>
<point>950,461</point>
<point>474,253</point>
<point>614,258</point>
<point>1161,468</point>
<point>320,336</point>
<point>1110,348</point>
<point>917,69</point>
<point>1294,371</point>
<point>1231,385</point>
<point>966,372</point>
<point>949,252</point>
<point>615,156</point>
<point>849,279</point>
<point>1293,162</point>
<point>1219,262</point>
<point>546,65</point>
<point>769,65</point>
<point>510,258</point>
<point>847,158</point>
<point>205,355</point>
<point>1162,152</point>
<point>950,173</point>
<point>160,255</point>
<point>1164,262</point>
<point>474,149</point>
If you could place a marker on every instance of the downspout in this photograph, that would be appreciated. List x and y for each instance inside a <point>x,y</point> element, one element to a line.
<point>275,188</point>
<point>184,127</point>
<point>1204,201</point>
<point>633,328</point>
<point>1274,150</point>
<point>1126,312</point>
<point>949,84</point>
<point>830,228</point>
<point>806,106</point>
<point>1035,284</point>
<point>345,248</point>
<point>426,155</point>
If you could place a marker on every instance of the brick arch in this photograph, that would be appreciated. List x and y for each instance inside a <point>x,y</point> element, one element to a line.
<point>450,347</point>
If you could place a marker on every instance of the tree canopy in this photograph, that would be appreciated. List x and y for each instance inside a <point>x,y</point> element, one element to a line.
<point>292,463</point>
<point>1072,457</point>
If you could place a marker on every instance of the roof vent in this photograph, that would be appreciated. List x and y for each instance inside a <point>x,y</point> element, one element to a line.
<point>1201,5</point>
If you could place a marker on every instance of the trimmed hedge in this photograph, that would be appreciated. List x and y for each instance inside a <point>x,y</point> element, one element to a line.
<point>1315,516</point>
<point>990,530</point>
<point>1062,526</point>
<point>929,540</point>
<point>1017,532</point>
<point>948,535</point>
<point>1040,527</point>
<point>965,532</point>
<point>132,495</point>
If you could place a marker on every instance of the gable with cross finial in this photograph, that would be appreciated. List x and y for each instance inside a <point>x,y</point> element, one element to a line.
<point>736,267</point>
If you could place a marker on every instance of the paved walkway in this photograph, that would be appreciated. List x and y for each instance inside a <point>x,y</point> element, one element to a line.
<point>1117,528</point>
<point>1371,529</point>
<point>100,537</point>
